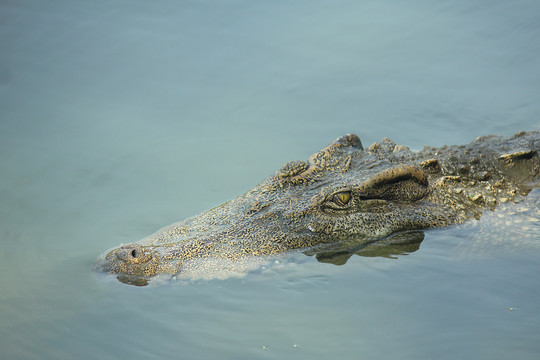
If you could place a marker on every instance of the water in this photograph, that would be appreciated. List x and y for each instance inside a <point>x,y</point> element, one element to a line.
<point>117,118</point>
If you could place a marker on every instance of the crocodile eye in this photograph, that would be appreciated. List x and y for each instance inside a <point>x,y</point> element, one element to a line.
<point>342,198</point>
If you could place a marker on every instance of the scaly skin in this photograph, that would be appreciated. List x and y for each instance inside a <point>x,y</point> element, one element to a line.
<point>342,194</point>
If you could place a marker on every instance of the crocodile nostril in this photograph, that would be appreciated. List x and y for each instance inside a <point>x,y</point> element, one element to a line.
<point>133,254</point>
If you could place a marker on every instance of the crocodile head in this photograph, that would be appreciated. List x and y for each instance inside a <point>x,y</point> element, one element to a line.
<point>342,194</point>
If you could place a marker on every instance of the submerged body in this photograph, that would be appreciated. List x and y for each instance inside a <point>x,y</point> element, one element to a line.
<point>342,194</point>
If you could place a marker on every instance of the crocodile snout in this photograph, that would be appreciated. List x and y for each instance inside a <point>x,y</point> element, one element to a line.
<point>134,264</point>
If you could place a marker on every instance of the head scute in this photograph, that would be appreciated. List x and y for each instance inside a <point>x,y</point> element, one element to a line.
<point>335,157</point>
<point>349,140</point>
<point>292,168</point>
<point>295,172</point>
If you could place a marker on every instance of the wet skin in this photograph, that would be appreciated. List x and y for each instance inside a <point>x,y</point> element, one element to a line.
<point>344,194</point>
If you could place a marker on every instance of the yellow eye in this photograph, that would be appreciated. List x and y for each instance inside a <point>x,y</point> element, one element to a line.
<point>342,198</point>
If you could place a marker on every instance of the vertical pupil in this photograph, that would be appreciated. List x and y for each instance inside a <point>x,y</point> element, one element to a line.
<point>134,253</point>
<point>343,198</point>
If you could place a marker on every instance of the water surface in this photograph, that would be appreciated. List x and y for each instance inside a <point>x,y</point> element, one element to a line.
<point>118,118</point>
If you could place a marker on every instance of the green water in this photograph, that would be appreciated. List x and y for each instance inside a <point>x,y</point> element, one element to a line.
<point>120,117</point>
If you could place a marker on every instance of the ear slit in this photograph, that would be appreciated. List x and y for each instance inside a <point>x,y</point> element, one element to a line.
<point>365,197</point>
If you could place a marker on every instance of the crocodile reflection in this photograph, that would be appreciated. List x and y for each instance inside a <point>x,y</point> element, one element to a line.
<point>390,247</point>
<point>340,202</point>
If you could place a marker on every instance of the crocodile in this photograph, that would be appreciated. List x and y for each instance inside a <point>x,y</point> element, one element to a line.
<point>342,194</point>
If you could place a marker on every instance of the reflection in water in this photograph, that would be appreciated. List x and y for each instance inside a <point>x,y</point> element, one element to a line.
<point>132,280</point>
<point>389,247</point>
